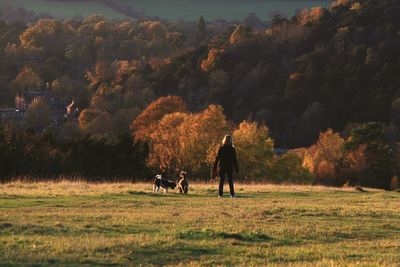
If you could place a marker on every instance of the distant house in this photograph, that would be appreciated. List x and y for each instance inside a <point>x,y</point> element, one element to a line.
<point>72,110</point>
<point>59,109</point>
<point>23,100</point>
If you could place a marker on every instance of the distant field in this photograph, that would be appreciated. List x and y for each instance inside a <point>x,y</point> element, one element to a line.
<point>63,9</point>
<point>120,224</point>
<point>173,9</point>
<point>213,9</point>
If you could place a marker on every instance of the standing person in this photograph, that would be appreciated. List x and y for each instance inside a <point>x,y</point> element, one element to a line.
<point>226,161</point>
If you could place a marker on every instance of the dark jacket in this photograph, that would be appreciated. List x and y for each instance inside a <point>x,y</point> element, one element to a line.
<point>226,159</point>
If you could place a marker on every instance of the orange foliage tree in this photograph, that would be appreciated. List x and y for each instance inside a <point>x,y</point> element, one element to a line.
<point>166,153</point>
<point>312,15</point>
<point>322,159</point>
<point>339,3</point>
<point>209,63</point>
<point>181,140</point>
<point>143,125</point>
<point>201,134</point>
<point>255,149</point>
<point>241,34</point>
<point>46,36</point>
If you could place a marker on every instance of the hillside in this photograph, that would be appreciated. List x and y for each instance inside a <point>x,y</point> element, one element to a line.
<point>324,82</point>
<point>324,69</point>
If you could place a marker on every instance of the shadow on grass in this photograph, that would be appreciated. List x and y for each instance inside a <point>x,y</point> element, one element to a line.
<point>209,234</point>
<point>161,255</point>
<point>30,229</point>
<point>171,194</point>
<point>207,193</point>
<point>8,229</point>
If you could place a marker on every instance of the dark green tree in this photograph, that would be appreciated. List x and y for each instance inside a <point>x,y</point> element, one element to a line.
<point>369,142</point>
<point>201,31</point>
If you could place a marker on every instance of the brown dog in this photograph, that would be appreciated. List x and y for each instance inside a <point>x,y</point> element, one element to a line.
<point>183,183</point>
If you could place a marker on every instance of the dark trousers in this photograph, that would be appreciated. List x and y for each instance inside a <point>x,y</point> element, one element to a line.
<point>221,182</point>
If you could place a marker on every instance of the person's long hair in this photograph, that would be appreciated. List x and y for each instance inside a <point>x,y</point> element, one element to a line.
<point>228,140</point>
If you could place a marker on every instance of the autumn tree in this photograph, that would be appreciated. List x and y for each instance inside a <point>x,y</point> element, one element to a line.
<point>95,122</point>
<point>338,3</point>
<point>182,140</point>
<point>143,124</point>
<point>26,79</point>
<point>210,62</point>
<point>46,36</point>
<point>101,73</point>
<point>310,16</point>
<point>254,149</point>
<point>38,115</point>
<point>166,152</point>
<point>328,153</point>
<point>240,34</point>
<point>200,134</point>
<point>68,89</point>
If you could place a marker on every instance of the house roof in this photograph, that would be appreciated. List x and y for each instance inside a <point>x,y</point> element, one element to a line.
<point>30,95</point>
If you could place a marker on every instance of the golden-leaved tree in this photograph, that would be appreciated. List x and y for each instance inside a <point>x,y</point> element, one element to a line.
<point>144,124</point>
<point>254,148</point>
<point>241,34</point>
<point>339,3</point>
<point>210,62</point>
<point>310,16</point>
<point>323,158</point>
<point>182,140</point>
<point>200,134</point>
<point>166,148</point>
<point>46,36</point>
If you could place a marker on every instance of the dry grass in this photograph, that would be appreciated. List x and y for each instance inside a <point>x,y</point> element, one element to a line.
<point>125,224</point>
<point>68,188</point>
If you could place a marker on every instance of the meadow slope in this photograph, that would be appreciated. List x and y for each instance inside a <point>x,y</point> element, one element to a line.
<point>80,223</point>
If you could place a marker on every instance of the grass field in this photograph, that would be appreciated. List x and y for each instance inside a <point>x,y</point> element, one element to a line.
<point>126,224</point>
